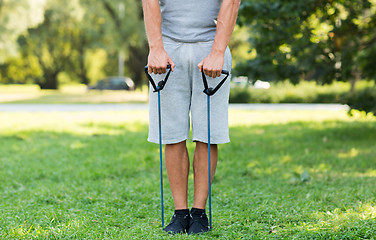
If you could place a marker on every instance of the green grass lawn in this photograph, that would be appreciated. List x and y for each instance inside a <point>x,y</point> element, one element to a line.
<point>285,175</point>
<point>71,94</point>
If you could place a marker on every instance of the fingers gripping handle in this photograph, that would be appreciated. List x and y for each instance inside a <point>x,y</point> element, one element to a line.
<point>162,83</point>
<point>210,91</point>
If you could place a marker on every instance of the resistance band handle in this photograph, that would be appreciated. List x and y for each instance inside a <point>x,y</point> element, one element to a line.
<point>210,91</point>
<point>162,83</point>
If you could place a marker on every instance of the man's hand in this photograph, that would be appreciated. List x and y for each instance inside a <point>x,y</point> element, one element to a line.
<point>158,60</point>
<point>212,64</point>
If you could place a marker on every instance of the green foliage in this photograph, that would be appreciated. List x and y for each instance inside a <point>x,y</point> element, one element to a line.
<point>80,40</point>
<point>50,42</point>
<point>20,70</point>
<point>15,18</point>
<point>112,26</point>
<point>285,175</point>
<point>364,100</point>
<point>240,95</point>
<point>240,46</point>
<point>304,92</point>
<point>309,39</point>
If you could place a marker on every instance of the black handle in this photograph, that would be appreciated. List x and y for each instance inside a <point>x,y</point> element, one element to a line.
<point>210,91</point>
<point>162,83</point>
<point>225,72</point>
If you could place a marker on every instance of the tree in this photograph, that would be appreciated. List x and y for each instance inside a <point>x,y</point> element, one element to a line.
<point>131,37</point>
<point>324,40</point>
<point>89,36</point>
<point>81,38</point>
<point>15,18</point>
<point>51,41</point>
<point>115,26</point>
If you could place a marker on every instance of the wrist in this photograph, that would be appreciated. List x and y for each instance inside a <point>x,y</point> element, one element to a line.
<point>218,50</point>
<point>156,45</point>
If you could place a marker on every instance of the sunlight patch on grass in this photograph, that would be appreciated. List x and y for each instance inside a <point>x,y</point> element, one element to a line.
<point>350,154</point>
<point>322,167</point>
<point>86,123</point>
<point>97,97</point>
<point>68,94</point>
<point>19,88</point>
<point>249,118</point>
<point>286,158</point>
<point>26,230</point>
<point>77,145</point>
<point>338,218</point>
<point>345,223</point>
<point>368,173</point>
<point>73,89</point>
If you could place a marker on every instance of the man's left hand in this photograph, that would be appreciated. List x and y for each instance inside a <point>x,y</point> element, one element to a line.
<point>212,64</point>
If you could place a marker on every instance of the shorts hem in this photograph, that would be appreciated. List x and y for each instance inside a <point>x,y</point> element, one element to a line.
<point>212,142</point>
<point>168,141</point>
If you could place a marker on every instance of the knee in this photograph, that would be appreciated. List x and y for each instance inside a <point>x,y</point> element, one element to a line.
<point>176,146</point>
<point>202,145</point>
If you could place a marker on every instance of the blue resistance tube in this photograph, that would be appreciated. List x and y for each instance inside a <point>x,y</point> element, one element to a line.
<point>211,91</point>
<point>157,88</point>
<point>209,164</point>
<point>160,153</point>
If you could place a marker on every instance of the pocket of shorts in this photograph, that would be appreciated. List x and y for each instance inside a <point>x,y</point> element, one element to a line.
<point>228,60</point>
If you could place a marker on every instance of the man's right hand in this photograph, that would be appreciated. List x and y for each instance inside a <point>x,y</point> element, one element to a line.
<point>158,60</point>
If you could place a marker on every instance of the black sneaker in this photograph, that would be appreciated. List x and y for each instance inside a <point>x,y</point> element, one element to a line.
<point>179,224</point>
<point>198,222</point>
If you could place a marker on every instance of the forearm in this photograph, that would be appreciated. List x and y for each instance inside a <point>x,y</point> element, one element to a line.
<point>225,25</point>
<point>152,17</point>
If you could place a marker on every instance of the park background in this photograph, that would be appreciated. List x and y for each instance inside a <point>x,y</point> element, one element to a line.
<point>287,174</point>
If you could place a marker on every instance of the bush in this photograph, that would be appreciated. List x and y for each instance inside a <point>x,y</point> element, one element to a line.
<point>328,97</point>
<point>364,100</point>
<point>240,95</point>
<point>306,92</point>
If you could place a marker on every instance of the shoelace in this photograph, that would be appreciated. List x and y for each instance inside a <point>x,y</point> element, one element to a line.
<point>174,219</point>
<point>199,219</point>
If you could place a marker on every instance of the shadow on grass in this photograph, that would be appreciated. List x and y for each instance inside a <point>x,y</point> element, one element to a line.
<point>294,179</point>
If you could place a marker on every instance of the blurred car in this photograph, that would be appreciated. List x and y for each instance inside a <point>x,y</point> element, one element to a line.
<point>243,81</point>
<point>114,83</point>
<point>261,84</point>
<point>240,81</point>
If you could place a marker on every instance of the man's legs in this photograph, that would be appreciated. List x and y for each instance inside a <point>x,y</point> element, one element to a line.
<point>177,164</point>
<point>200,169</point>
<point>198,222</point>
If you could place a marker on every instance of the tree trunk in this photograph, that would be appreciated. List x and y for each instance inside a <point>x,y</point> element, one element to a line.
<point>138,78</point>
<point>353,83</point>
<point>357,75</point>
<point>83,71</point>
<point>136,62</point>
<point>50,81</point>
<point>84,79</point>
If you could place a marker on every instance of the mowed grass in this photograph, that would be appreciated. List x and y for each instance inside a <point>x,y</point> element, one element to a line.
<point>285,175</point>
<point>31,94</point>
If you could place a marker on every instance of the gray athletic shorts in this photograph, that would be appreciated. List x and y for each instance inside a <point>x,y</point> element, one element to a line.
<point>183,94</point>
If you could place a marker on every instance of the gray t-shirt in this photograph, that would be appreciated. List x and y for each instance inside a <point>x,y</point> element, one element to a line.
<point>189,20</point>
